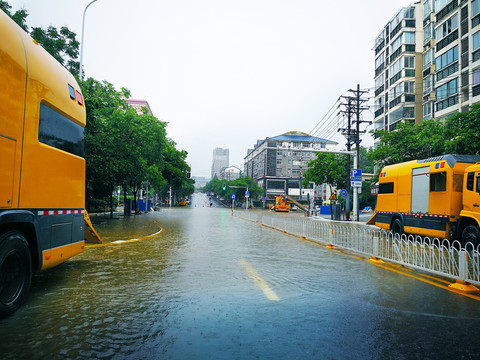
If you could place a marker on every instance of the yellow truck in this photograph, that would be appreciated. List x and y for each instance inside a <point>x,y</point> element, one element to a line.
<point>281,204</point>
<point>42,165</point>
<point>436,197</point>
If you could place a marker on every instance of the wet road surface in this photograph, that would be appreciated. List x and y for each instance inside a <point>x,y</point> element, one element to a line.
<point>213,286</point>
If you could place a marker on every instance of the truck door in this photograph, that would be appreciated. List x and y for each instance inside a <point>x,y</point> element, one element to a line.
<point>420,190</point>
<point>471,196</point>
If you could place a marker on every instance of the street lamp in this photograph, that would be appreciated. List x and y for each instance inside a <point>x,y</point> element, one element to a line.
<point>81,44</point>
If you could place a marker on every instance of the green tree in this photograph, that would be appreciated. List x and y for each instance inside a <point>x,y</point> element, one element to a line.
<point>62,45</point>
<point>327,168</point>
<point>462,132</point>
<point>19,16</point>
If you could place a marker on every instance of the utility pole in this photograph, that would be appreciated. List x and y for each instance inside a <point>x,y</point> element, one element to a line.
<point>352,133</point>
<point>347,132</point>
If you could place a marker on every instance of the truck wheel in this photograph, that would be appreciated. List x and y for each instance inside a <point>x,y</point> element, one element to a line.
<point>471,233</point>
<point>15,271</point>
<point>397,227</point>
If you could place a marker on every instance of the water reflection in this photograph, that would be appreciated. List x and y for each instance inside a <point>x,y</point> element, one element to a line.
<point>184,294</point>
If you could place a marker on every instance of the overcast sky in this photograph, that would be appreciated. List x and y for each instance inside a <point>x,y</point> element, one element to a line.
<point>225,73</point>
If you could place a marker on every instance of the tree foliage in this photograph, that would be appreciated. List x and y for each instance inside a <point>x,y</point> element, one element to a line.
<point>237,187</point>
<point>19,16</point>
<point>457,134</point>
<point>327,168</point>
<point>61,44</point>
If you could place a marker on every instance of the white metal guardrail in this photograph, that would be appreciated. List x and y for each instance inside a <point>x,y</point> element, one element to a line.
<point>440,257</point>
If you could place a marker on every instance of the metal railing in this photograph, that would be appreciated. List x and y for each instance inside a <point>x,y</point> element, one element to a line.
<point>440,257</point>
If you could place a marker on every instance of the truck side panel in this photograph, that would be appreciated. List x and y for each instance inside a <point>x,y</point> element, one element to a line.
<point>12,100</point>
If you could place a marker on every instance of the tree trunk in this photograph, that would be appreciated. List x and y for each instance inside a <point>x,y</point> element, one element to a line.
<point>111,205</point>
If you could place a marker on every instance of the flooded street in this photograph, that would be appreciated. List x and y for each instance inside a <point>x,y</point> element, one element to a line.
<point>213,286</point>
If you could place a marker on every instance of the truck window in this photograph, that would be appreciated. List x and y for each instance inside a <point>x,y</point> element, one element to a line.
<point>470,180</point>
<point>385,188</point>
<point>458,182</point>
<point>60,132</point>
<point>438,181</point>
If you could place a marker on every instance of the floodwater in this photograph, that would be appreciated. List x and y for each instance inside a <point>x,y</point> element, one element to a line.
<point>213,286</point>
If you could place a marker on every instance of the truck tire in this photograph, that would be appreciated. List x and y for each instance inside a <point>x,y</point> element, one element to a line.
<point>471,233</point>
<point>15,271</point>
<point>397,227</point>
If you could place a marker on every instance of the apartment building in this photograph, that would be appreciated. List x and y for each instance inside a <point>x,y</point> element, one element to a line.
<point>452,81</point>
<point>398,69</point>
<point>445,79</point>
<point>276,164</point>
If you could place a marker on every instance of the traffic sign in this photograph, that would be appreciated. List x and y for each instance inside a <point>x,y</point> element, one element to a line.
<point>333,197</point>
<point>343,192</point>
<point>356,177</point>
<point>234,196</point>
<point>247,194</point>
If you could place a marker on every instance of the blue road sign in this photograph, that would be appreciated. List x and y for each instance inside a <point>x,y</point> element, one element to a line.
<point>356,177</point>
<point>234,196</point>
<point>343,192</point>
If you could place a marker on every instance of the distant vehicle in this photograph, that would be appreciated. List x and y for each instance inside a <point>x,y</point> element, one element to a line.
<point>281,204</point>
<point>42,166</point>
<point>437,197</point>
<point>367,209</point>
<point>182,202</point>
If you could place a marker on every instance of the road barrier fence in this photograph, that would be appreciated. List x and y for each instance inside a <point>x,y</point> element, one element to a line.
<point>438,256</point>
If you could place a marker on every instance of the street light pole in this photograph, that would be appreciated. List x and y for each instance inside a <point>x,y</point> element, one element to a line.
<point>81,44</point>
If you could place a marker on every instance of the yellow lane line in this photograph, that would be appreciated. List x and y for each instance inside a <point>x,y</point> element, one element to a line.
<point>203,199</point>
<point>123,242</point>
<point>269,293</point>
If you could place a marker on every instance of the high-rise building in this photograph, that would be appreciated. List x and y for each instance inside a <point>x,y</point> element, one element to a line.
<point>398,69</point>
<point>445,79</point>
<point>220,160</point>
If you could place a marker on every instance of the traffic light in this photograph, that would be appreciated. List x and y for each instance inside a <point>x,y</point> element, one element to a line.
<point>224,186</point>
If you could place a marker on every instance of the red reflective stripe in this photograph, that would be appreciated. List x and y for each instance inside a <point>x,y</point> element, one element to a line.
<point>59,212</point>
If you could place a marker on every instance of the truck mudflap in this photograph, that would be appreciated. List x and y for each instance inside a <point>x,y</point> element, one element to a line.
<point>372,219</point>
<point>91,236</point>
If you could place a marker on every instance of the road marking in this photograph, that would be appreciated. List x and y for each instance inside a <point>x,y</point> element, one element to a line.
<point>269,293</point>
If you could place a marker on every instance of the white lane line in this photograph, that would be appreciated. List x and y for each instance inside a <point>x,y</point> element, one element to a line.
<point>269,293</point>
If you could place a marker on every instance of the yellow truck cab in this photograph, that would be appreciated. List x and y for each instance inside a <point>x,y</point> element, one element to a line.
<point>436,197</point>
<point>42,166</point>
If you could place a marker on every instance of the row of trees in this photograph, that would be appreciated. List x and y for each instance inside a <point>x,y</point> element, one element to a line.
<point>122,147</point>
<point>225,188</point>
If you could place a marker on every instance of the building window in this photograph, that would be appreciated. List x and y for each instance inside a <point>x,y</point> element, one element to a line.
<point>427,58</point>
<point>446,59</point>
<point>475,7</point>
<point>428,84</point>
<point>427,8</point>
<point>448,89</point>
<point>427,110</point>
<point>476,40</point>
<point>379,81</point>
<point>447,27</point>
<point>409,62</point>
<point>440,4</point>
